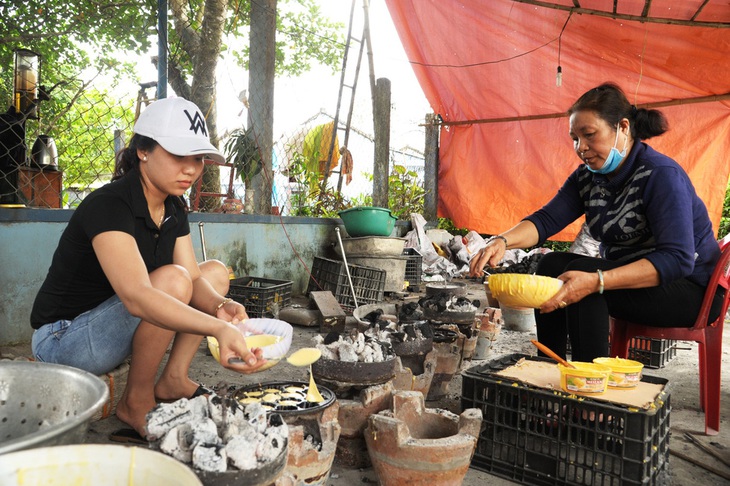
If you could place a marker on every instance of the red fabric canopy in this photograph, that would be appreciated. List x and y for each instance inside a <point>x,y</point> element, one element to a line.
<point>493,64</point>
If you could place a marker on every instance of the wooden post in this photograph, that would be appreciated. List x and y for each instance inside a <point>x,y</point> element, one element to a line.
<point>381,169</point>
<point>431,169</point>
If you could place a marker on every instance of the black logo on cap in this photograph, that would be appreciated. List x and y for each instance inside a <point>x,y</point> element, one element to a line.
<point>197,122</point>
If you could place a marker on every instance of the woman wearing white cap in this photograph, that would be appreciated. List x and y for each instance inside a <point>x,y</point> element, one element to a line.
<point>124,278</point>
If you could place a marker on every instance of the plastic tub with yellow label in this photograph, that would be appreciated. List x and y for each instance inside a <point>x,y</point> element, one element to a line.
<point>587,378</point>
<point>625,373</point>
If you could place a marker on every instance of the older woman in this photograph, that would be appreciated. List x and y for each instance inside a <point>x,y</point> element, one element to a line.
<point>657,246</point>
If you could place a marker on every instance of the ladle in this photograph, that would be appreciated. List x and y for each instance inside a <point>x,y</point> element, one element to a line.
<point>551,353</point>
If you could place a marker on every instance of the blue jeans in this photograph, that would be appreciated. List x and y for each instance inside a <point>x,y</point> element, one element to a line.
<point>96,341</point>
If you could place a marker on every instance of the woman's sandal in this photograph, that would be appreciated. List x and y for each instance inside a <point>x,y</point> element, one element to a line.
<point>128,436</point>
<point>200,391</point>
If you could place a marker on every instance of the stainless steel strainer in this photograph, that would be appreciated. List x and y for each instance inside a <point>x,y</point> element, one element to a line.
<point>43,404</point>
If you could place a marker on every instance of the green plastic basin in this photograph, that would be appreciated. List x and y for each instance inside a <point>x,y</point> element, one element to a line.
<point>367,221</point>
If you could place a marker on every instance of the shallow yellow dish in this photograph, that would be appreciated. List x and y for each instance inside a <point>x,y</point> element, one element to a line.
<point>252,341</point>
<point>523,290</point>
<point>625,373</point>
<point>587,378</point>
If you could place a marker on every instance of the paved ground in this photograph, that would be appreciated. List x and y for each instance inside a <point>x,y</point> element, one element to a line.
<point>681,372</point>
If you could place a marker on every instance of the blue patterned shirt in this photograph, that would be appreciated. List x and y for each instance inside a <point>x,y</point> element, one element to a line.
<point>648,210</point>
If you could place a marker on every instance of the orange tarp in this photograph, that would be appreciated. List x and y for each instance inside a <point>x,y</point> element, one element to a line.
<point>497,60</point>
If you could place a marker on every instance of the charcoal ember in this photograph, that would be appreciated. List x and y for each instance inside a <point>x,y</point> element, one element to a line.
<point>165,416</point>
<point>435,303</point>
<point>461,301</point>
<point>235,428</point>
<point>204,432</point>
<point>526,265</point>
<point>386,349</point>
<point>210,458</point>
<point>358,342</point>
<point>410,312</point>
<point>410,331</point>
<point>218,408</point>
<point>426,329</point>
<point>398,337</point>
<point>374,316</point>
<point>270,448</point>
<point>256,415</point>
<point>331,337</point>
<point>384,324</point>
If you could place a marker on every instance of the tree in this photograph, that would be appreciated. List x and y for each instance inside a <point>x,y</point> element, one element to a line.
<point>73,34</point>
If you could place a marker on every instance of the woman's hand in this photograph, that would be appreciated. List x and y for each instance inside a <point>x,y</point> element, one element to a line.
<point>576,286</point>
<point>232,311</point>
<point>491,254</point>
<point>234,352</point>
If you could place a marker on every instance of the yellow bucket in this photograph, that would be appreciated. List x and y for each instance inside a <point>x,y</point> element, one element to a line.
<point>588,378</point>
<point>625,373</point>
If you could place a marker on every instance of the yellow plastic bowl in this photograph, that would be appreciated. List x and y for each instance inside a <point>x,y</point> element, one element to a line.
<point>523,290</point>
<point>625,373</point>
<point>252,341</point>
<point>585,378</point>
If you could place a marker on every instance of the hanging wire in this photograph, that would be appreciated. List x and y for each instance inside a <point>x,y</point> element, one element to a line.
<point>641,65</point>
<point>559,75</point>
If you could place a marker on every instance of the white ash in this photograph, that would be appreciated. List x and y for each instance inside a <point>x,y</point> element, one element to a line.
<point>211,458</point>
<point>357,348</point>
<point>216,410</point>
<point>256,416</point>
<point>205,432</point>
<point>165,416</point>
<point>242,453</point>
<point>216,435</point>
<point>178,443</point>
<point>457,304</point>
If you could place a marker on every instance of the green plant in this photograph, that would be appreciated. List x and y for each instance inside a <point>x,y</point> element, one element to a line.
<point>243,152</point>
<point>310,199</point>
<point>405,192</point>
<point>448,225</point>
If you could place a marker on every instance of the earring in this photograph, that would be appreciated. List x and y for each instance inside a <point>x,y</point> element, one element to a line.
<point>144,158</point>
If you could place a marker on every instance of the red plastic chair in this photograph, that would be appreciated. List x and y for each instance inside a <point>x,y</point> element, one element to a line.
<point>709,337</point>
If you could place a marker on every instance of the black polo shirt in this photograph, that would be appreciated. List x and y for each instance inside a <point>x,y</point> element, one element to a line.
<point>75,282</point>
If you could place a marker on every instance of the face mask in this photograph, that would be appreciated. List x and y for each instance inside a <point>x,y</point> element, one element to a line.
<point>614,157</point>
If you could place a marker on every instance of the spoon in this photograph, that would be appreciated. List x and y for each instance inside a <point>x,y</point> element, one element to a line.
<point>551,353</point>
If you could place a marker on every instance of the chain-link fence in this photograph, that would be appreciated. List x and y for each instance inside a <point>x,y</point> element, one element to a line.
<point>58,143</point>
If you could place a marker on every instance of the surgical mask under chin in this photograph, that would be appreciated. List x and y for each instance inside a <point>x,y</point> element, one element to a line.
<point>614,158</point>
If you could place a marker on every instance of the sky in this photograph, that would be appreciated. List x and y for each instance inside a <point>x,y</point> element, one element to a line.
<point>298,99</point>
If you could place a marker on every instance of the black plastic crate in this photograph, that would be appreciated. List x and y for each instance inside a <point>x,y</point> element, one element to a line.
<point>652,352</point>
<point>261,296</point>
<point>546,437</point>
<point>414,266</point>
<point>369,283</point>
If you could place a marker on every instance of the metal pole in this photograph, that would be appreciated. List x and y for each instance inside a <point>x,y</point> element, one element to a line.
<point>347,268</point>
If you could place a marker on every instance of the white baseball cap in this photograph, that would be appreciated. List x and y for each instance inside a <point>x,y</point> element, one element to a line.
<point>179,127</point>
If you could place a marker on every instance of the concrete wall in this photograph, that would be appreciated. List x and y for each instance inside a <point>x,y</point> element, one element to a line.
<point>259,246</point>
